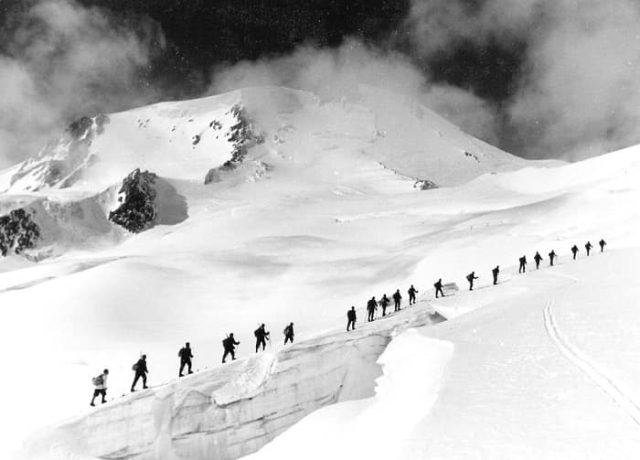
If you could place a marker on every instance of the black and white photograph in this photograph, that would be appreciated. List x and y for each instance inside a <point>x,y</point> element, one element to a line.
<point>319,229</point>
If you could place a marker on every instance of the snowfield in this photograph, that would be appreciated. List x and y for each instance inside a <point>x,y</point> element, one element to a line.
<point>323,211</point>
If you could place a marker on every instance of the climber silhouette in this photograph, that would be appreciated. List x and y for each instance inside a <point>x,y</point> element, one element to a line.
<point>602,244</point>
<point>229,345</point>
<point>351,318</point>
<point>537,258</point>
<point>495,272</point>
<point>372,306</point>
<point>438,286</point>
<point>470,277</point>
<point>412,295</point>
<point>523,263</point>
<point>396,300</point>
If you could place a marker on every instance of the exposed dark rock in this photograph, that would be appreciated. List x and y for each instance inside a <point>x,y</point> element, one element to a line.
<point>472,155</point>
<point>243,136</point>
<point>137,210</point>
<point>17,232</point>
<point>425,185</point>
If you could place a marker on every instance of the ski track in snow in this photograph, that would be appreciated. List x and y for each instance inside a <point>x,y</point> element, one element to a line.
<point>592,370</point>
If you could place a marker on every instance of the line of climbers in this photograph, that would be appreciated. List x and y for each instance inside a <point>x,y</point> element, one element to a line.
<point>229,344</point>
<point>372,304</point>
<point>185,354</point>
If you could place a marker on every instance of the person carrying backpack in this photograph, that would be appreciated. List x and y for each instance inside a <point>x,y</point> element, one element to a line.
<point>552,256</point>
<point>412,295</point>
<point>372,306</point>
<point>140,369</point>
<point>288,333</point>
<point>588,247</point>
<point>495,273</point>
<point>438,286</point>
<point>261,336</point>
<point>384,303</point>
<point>185,358</point>
<point>470,277</point>
<point>538,259</point>
<point>396,300</point>
<point>229,345</point>
<point>602,244</point>
<point>351,319</point>
<point>100,383</point>
<point>523,263</point>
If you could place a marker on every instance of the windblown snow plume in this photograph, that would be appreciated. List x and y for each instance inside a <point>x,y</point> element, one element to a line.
<point>60,60</point>
<point>335,74</point>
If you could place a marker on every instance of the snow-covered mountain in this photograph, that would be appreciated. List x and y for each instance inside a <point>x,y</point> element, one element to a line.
<point>184,221</point>
<point>73,188</point>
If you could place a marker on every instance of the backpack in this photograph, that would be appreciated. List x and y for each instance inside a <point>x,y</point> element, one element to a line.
<point>135,366</point>
<point>469,277</point>
<point>256,332</point>
<point>99,380</point>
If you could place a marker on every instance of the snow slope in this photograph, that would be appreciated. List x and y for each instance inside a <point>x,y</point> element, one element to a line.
<point>318,217</point>
<point>552,372</point>
<point>227,412</point>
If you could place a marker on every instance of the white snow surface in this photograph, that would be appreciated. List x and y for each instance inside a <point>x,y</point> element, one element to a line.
<point>377,427</point>
<point>322,216</point>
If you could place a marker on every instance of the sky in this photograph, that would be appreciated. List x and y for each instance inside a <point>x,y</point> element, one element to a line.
<point>538,78</point>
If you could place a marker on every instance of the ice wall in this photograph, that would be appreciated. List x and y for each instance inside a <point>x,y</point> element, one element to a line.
<point>232,410</point>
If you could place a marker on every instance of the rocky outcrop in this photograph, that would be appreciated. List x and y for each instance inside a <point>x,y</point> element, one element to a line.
<point>17,232</point>
<point>137,195</point>
<point>146,200</point>
<point>60,163</point>
<point>425,184</point>
<point>242,136</point>
<point>233,410</point>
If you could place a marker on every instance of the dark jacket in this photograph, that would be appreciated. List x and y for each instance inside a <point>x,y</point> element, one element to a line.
<point>351,315</point>
<point>141,366</point>
<point>185,353</point>
<point>229,343</point>
<point>260,333</point>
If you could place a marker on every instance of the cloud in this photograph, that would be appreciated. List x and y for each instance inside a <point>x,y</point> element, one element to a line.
<point>335,73</point>
<point>578,93</point>
<point>63,60</point>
